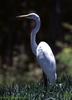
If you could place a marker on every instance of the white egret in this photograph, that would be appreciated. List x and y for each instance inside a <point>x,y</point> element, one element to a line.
<point>42,51</point>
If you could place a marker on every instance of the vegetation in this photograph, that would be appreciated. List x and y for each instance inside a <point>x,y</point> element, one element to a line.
<point>36,91</point>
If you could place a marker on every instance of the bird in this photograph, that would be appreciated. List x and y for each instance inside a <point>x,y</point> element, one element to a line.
<point>42,51</point>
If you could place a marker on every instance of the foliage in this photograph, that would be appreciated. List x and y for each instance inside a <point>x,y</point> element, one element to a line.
<point>68,38</point>
<point>36,91</point>
<point>65,56</point>
<point>65,60</point>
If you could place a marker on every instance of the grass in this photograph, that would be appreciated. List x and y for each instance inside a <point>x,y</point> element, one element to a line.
<point>37,91</point>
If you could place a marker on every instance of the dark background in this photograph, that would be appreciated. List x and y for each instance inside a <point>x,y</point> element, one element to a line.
<point>16,57</point>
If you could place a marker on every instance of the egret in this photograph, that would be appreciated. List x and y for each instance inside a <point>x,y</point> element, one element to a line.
<point>42,51</point>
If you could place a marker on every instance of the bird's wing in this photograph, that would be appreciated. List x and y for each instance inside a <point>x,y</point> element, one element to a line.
<point>46,60</point>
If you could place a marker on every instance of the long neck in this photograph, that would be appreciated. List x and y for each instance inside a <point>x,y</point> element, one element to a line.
<point>33,36</point>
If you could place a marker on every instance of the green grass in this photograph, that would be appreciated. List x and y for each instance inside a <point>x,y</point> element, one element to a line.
<point>37,91</point>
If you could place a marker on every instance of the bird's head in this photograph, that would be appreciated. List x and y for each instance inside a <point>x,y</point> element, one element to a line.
<point>32,16</point>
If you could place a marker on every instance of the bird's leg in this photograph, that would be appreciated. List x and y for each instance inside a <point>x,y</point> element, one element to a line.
<point>45,81</point>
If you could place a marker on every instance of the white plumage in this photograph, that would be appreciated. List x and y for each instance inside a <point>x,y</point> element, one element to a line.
<point>46,60</point>
<point>42,51</point>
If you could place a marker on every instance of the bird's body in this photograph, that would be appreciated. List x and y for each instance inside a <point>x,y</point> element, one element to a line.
<point>42,51</point>
<point>46,60</point>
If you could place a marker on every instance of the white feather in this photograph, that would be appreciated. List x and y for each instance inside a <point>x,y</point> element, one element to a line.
<point>43,52</point>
